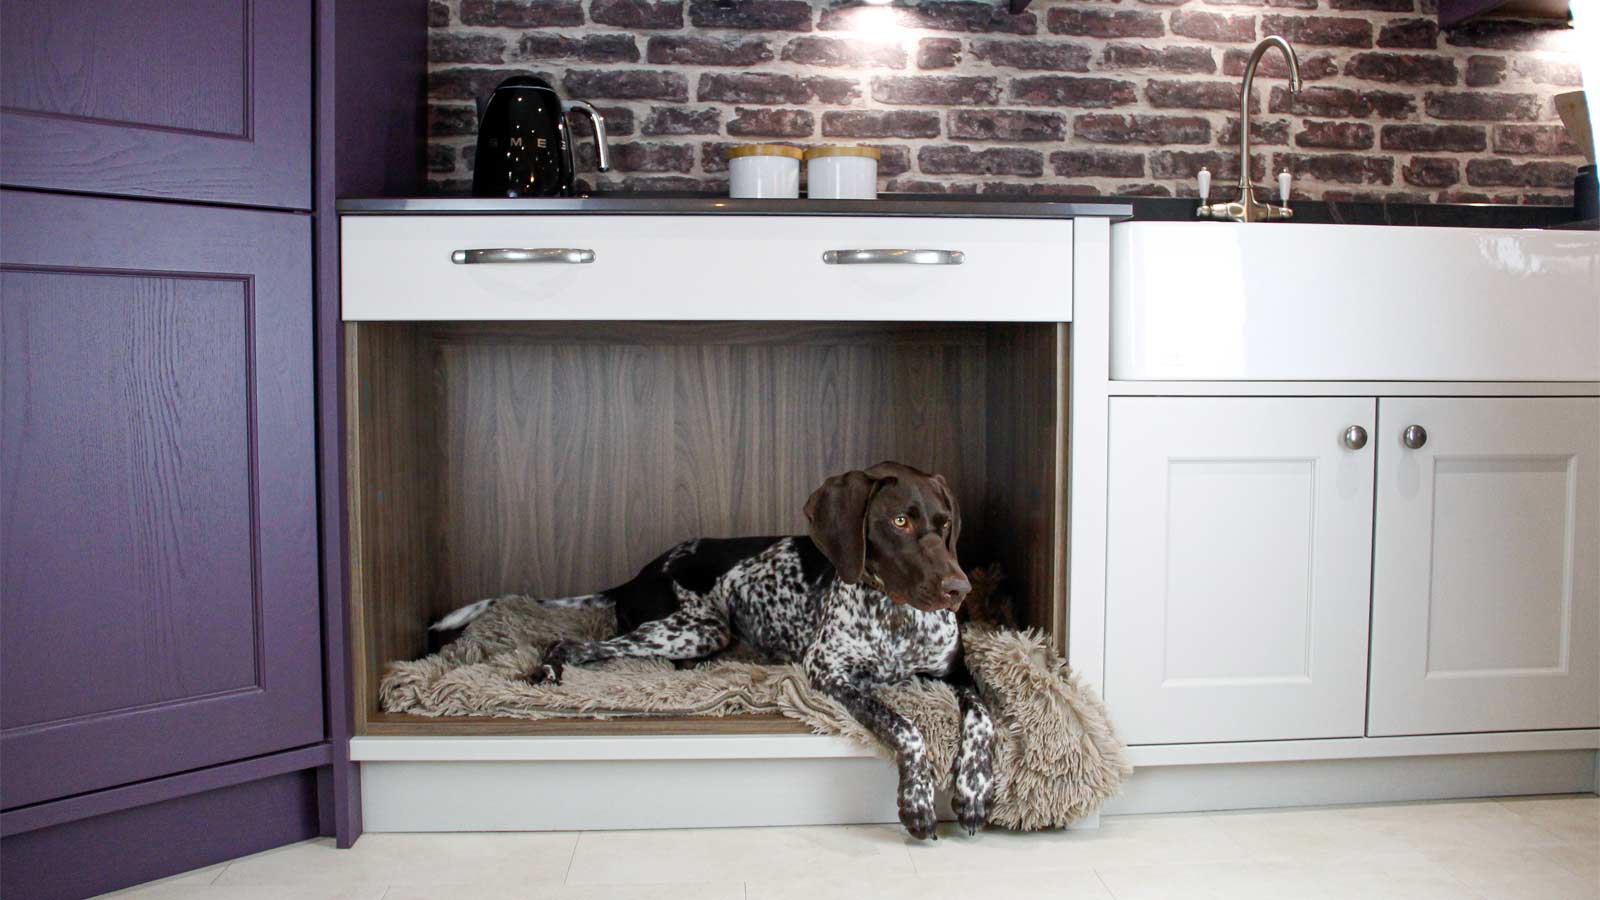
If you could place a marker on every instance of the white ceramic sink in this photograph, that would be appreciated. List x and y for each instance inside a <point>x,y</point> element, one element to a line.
<point>1278,302</point>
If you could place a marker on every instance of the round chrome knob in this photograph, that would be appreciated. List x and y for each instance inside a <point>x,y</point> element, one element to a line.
<point>1414,436</point>
<point>1355,437</point>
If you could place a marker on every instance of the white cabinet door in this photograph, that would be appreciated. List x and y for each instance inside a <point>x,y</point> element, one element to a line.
<point>1238,565</point>
<point>1486,601</point>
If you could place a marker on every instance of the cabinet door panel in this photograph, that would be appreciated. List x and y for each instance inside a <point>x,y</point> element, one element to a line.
<point>1486,599</point>
<point>181,99</point>
<point>1239,540</point>
<point>158,537</point>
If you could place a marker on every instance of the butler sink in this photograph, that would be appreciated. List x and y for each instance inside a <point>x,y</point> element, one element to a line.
<point>1228,302</point>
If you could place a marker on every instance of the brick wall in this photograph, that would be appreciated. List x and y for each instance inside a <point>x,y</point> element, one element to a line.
<point>1127,98</point>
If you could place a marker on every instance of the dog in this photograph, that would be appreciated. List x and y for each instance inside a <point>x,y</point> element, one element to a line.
<point>867,599</point>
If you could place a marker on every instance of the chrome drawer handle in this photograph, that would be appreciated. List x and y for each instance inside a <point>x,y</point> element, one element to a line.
<point>522,255</point>
<point>893,257</point>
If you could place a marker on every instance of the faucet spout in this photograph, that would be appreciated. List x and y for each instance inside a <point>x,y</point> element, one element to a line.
<point>1267,43</point>
<point>1247,208</point>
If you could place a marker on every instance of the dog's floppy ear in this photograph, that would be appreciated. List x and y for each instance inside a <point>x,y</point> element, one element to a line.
<point>955,513</point>
<point>838,515</point>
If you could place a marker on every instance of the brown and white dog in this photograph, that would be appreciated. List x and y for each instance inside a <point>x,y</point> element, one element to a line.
<point>866,600</point>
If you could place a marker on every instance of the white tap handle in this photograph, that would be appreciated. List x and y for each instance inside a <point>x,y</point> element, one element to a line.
<point>1284,178</point>
<point>1205,184</point>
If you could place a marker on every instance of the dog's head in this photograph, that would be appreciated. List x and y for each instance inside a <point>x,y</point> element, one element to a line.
<point>894,528</point>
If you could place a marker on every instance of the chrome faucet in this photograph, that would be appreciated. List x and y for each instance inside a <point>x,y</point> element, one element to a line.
<point>1247,208</point>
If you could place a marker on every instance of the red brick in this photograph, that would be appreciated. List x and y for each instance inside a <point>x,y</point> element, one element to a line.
<point>1503,34</point>
<point>1313,66</point>
<point>1342,168</point>
<point>625,84</point>
<point>1335,135</point>
<point>681,120</point>
<point>1263,132</point>
<point>714,154</point>
<point>954,159</point>
<point>1106,128</point>
<point>1185,164</point>
<point>468,83</point>
<point>835,52</point>
<point>1341,103</point>
<point>446,47</point>
<point>1431,171</point>
<point>522,13</point>
<point>1195,95</point>
<point>759,15</point>
<point>1332,31</point>
<point>1039,190</point>
<point>682,50</point>
<point>636,156</point>
<point>599,48</point>
<point>1534,140</point>
<point>637,13</point>
<point>1485,70</point>
<point>619,122</point>
<point>1097,163</point>
<point>1067,90</point>
<point>1509,173</point>
<point>1187,60</point>
<point>1209,26</point>
<point>771,123</point>
<point>438,14</point>
<point>1102,23</point>
<point>440,159</point>
<point>1484,105</point>
<point>1434,138</point>
<point>861,123</point>
<point>1410,34</point>
<point>938,53</point>
<point>924,186</point>
<point>1035,54</point>
<point>1006,125</point>
<point>1402,68</point>
<point>935,90</point>
<point>893,159</point>
<point>452,120</point>
<point>753,87</point>
<point>974,16</point>
<point>1374,5</point>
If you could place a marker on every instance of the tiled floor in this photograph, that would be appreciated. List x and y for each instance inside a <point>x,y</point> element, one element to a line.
<point>1541,848</point>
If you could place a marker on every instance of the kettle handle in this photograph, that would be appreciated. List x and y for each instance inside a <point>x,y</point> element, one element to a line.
<point>602,154</point>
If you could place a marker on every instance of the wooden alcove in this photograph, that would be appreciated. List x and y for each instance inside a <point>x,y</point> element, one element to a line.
<point>557,458</point>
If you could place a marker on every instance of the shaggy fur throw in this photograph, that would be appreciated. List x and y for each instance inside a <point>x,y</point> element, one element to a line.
<point>1057,757</point>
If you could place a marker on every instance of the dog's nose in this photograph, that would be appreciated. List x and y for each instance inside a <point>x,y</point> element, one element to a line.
<point>955,589</point>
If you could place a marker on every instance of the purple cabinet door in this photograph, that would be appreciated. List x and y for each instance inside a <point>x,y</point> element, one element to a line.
<point>181,99</point>
<point>158,536</point>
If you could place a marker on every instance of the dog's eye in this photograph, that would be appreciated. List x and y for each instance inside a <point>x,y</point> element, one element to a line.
<point>901,521</point>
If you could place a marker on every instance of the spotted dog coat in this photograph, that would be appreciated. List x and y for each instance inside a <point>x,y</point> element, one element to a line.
<point>782,596</point>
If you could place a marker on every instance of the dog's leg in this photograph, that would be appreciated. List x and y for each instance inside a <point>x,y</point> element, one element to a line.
<point>974,775</point>
<point>910,753</point>
<point>690,633</point>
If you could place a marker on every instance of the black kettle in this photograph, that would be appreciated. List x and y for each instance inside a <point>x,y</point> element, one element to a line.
<point>524,144</point>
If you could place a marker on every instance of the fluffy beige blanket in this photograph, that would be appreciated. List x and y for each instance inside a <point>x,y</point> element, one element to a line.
<point>1057,757</point>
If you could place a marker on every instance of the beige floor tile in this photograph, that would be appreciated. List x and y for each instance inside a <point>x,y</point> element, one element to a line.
<point>1075,884</point>
<point>199,876</point>
<point>739,854</point>
<point>1528,874</point>
<point>1123,840</point>
<point>1575,820</point>
<point>1579,858</point>
<point>1342,832</point>
<point>191,891</point>
<point>413,860</point>
<point>726,890</point>
<point>1405,876</point>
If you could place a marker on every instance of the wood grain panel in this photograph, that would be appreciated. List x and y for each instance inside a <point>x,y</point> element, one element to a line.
<point>557,458</point>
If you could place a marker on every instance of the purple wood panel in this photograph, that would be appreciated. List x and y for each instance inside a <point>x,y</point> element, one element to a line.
<point>205,100</point>
<point>160,604</point>
<point>371,110</point>
<point>90,856</point>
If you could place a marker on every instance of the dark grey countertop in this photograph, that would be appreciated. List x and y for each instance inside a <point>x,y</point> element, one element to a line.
<point>639,204</point>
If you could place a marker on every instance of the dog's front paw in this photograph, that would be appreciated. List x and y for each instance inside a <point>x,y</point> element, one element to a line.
<point>916,806</point>
<point>971,803</point>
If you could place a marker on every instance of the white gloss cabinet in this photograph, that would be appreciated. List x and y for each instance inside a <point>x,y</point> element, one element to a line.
<point>1239,542</point>
<point>1486,594</point>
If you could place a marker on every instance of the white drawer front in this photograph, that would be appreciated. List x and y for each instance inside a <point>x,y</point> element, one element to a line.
<point>708,267</point>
